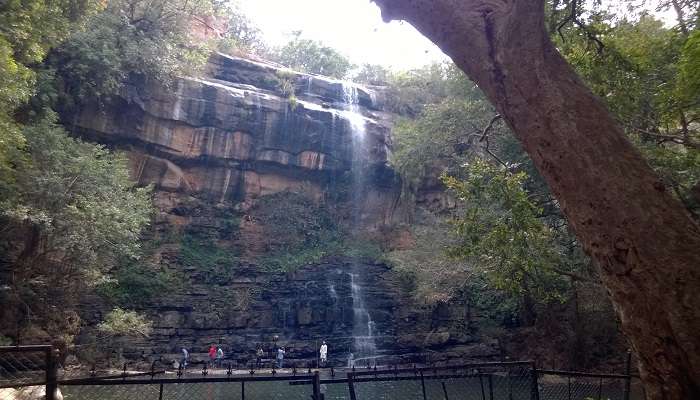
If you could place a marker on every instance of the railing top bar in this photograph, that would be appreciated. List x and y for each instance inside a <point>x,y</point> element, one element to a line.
<point>13,349</point>
<point>582,374</point>
<point>127,376</point>
<point>22,384</point>
<point>388,371</point>
<point>111,382</point>
<point>389,379</point>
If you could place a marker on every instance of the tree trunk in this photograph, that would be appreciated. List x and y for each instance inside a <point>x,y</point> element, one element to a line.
<point>644,242</point>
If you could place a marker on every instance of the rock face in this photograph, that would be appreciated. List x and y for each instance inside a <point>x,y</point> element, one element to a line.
<point>221,142</point>
<point>238,134</point>
<point>297,310</point>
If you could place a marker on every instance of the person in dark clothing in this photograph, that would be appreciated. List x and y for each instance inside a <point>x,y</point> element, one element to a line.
<point>258,357</point>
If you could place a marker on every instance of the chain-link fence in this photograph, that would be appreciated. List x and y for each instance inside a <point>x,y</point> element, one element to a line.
<point>564,385</point>
<point>493,381</point>
<point>174,389</point>
<point>27,371</point>
<point>33,368</point>
<point>214,388</point>
<point>24,365</point>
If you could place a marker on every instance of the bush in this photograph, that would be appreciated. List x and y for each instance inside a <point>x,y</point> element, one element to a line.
<point>209,258</point>
<point>134,284</point>
<point>300,232</point>
<point>120,322</point>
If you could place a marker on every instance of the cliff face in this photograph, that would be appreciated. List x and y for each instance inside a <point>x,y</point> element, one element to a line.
<point>214,147</point>
<point>236,135</point>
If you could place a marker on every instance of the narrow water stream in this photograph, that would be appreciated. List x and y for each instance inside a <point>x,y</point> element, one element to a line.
<point>363,346</point>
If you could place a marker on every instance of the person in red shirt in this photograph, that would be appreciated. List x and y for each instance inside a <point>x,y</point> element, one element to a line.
<point>212,355</point>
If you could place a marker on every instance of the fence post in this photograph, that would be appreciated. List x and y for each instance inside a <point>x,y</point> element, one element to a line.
<point>317,386</point>
<point>422,384</point>
<point>351,386</point>
<point>481,383</point>
<point>242,390</point>
<point>444,390</point>
<point>510,385</point>
<point>51,374</point>
<point>628,372</point>
<point>490,387</point>
<point>535,383</point>
<point>160,392</point>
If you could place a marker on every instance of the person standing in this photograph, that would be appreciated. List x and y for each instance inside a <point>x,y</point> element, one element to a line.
<point>212,355</point>
<point>219,357</point>
<point>280,357</point>
<point>185,358</point>
<point>258,357</point>
<point>323,352</point>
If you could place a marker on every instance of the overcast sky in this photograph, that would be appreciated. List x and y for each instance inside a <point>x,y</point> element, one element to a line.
<point>354,27</point>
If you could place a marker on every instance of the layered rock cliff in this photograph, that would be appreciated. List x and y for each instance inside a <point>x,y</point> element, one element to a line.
<point>245,130</point>
<point>214,147</point>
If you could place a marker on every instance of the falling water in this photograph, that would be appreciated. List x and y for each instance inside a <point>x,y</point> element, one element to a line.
<point>358,127</point>
<point>309,85</point>
<point>363,327</point>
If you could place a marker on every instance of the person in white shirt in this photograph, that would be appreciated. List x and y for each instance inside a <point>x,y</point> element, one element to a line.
<point>280,357</point>
<point>185,358</point>
<point>324,353</point>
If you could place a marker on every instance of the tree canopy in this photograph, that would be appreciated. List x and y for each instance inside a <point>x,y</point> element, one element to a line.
<point>312,56</point>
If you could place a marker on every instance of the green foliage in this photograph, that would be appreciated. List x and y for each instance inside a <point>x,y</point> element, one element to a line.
<point>313,57</point>
<point>202,252</point>
<point>648,77</point>
<point>120,322</point>
<point>241,34</point>
<point>286,85</point>
<point>689,80</point>
<point>5,341</point>
<point>410,91</point>
<point>437,277</point>
<point>135,284</point>
<point>372,74</point>
<point>79,199</point>
<point>28,29</point>
<point>500,232</point>
<point>299,231</point>
<point>442,138</point>
<point>128,42</point>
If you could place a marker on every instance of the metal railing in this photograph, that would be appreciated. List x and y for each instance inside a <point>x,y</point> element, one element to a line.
<point>28,366</point>
<point>32,366</point>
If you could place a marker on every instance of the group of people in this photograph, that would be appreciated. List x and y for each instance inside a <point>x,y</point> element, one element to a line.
<point>216,356</point>
<point>279,356</point>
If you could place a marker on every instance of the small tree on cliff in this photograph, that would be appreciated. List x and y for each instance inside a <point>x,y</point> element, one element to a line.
<point>312,56</point>
<point>644,242</point>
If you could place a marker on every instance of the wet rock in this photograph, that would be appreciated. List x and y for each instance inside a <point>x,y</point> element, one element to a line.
<point>218,143</point>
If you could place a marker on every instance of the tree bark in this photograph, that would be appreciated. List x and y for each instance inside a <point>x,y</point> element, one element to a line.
<point>643,240</point>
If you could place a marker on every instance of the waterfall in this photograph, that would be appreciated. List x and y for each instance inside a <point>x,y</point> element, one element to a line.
<point>362,326</point>
<point>363,344</point>
<point>358,128</point>
<point>309,85</point>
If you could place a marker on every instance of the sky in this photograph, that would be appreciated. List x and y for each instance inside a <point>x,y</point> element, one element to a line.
<point>354,27</point>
